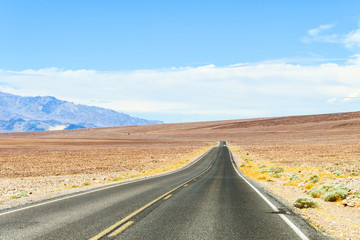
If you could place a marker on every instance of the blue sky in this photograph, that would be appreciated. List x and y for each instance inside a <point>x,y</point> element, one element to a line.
<point>185,60</point>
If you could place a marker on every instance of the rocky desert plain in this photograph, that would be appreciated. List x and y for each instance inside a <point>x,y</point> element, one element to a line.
<point>291,157</point>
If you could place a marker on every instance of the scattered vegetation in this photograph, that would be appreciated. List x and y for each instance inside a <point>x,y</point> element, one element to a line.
<point>337,173</point>
<point>318,192</point>
<point>272,170</point>
<point>335,195</point>
<point>85,184</point>
<point>354,174</point>
<point>330,193</point>
<point>276,175</point>
<point>19,195</point>
<point>305,202</point>
<point>313,179</point>
<point>245,165</point>
<point>294,177</point>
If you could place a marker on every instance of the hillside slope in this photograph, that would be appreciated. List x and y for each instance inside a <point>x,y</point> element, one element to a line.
<point>21,114</point>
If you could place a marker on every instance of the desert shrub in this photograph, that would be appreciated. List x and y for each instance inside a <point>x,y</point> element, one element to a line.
<point>276,175</point>
<point>85,184</point>
<point>314,192</point>
<point>354,174</point>
<point>335,195</point>
<point>342,187</point>
<point>329,192</point>
<point>294,177</point>
<point>309,185</point>
<point>272,170</point>
<point>317,192</point>
<point>261,166</point>
<point>277,170</point>
<point>337,173</point>
<point>244,165</point>
<point>19,195</point>
<point>313,179</point>
<point>305,202</point>
<point>74,186</point>
<point>265,170</point>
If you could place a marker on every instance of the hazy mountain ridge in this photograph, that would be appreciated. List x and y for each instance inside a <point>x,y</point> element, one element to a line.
<point>21,114</point>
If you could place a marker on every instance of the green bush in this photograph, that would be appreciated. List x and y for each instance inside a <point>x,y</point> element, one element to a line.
<point>337,173</point>
<point>294,177</point>
<point>304,202</point>
<point>317,192</point>
<point>276,175</point>
<point>19,195</point>
<point>313,179</point>
<point>354,174</point>
<point>335,195</point>
<point>272,170</point>
<point>244,165</point>
<point>261,166</point>
<point>329,193</point>
<point>277,170</point>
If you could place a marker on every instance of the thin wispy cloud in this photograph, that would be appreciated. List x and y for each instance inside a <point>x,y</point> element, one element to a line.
<point>350,40</point>
<point>200,93</point>
<point>320,34</point>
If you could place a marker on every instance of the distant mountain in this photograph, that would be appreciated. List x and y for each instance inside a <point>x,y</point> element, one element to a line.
<point>22,114</point>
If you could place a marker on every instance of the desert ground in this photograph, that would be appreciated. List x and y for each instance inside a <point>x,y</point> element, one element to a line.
<point>37,165</point>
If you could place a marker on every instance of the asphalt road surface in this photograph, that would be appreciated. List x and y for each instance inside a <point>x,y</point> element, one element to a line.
<point>206,200</point>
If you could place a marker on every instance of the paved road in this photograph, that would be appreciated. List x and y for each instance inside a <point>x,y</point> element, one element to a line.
<point>207,200</point>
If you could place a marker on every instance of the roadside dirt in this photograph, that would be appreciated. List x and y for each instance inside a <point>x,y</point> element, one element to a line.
<point>340,219</point>
<point>68,172</point>
<point>316,144</point>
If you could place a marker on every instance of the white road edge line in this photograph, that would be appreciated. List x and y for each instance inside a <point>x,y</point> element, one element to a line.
<point>286,220</point>
<point>104,188</point>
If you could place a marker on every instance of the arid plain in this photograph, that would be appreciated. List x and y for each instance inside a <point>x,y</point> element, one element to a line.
<point>38,165</point>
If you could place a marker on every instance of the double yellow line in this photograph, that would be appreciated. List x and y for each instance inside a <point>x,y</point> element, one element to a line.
<point>125,223</point>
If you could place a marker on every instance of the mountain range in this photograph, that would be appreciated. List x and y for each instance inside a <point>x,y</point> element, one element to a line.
<point>22,114</point>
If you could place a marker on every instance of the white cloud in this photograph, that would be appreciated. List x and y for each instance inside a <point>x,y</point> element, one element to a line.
<point>352,39</point>
<point>316,31</point>
<point>355,59</point>
<point>317,35</point>
<point>201,93</point>
<point>331,100</point>
<point>351,97</point>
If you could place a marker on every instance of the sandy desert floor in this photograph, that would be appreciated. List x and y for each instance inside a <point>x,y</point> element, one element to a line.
<point>323,145</point>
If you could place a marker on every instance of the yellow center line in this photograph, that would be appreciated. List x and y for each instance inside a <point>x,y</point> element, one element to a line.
<point>112,227</point>
<point>122,228</point>
<point>168,196</point>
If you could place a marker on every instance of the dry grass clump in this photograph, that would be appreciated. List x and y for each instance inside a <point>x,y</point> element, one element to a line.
<point>19,195</point>
<point>294,177</point>
<point>305,202</point>
<point>330,193</point>
<point>313,179</point>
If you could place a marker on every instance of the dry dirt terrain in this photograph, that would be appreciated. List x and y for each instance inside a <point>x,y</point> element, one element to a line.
<point>323,145</point>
